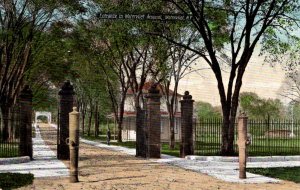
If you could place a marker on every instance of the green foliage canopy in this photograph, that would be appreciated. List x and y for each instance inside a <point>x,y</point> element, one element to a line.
<point>259,108</point>
<point>205,110</point>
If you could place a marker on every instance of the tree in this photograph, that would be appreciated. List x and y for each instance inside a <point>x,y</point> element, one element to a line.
<point>140,55</point>
<point>294,110</point>
<point>229,32</point>
<point>91,94</point>
<point>123,58</point>
<point>259,108</point>
<point>88,77</point>
<point>117,60</point>
<point>21,23</point>
<point>206,110</point>
<point>178,66</point>
<point>290,88</point>
<point>49,67</point>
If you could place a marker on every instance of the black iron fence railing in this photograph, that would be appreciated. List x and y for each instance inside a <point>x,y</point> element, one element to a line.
<point>10,133</point>
<point>268,137</point>
<point>208,136</point>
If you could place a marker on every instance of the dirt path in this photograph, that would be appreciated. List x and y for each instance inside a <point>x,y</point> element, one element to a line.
<point>107,170</point>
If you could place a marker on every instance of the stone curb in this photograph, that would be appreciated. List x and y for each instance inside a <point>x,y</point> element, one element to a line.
<point>14,160</point>
<point>249,159</point>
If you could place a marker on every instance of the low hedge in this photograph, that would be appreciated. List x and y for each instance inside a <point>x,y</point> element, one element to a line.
<point>15,180</point>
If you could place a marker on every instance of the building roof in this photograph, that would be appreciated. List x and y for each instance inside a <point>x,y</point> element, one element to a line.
<point>147,86</point>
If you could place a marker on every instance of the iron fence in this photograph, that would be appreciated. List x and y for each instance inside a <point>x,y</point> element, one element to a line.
<point>10,133</point>
<point>274,137</point>
<point>268,137</point>
<point>208,136</point>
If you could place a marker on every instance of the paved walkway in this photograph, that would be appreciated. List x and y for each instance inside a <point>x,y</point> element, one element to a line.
<point>224,170</point>
<point>45,163</point>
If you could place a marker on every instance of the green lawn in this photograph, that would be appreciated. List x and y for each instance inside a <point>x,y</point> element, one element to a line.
<point>208,137</point>
<point>289,173</point>
<point>128,144</point>
<point>165,147</point>
<point>9,150</point>
<point>210,147</point>
<point>15,180</point>
<point>261,146</point>
<point>101,138</point>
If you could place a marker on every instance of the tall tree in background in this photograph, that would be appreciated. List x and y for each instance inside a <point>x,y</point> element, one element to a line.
<point>49,66</point>
<point>290,88</point>
<point>178,66</point>
<point>259,108</point>
<point>229,32</point>
<point>141,55</point>
<point>123,58</point>
<point>21,23</point>
<point>115,51</point>
<point>116,65</point>
<point>205,110</point>
<point>88,77</point>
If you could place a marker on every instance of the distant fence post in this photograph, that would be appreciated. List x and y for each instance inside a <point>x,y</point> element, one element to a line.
<point>186,146</point>
<point>242,143</point>
<point>25,99</point>
<point>66,104</point>
<point>153,123</point>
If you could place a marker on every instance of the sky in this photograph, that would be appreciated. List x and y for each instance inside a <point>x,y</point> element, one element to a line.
<point>260,77</point>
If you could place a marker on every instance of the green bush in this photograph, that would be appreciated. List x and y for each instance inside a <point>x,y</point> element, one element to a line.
<point>15,180</point>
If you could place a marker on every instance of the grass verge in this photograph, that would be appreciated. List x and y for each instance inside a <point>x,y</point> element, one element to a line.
<point>9,150</point>
<point>15,180</point>
<point>164,147</point>
<point>131,144</point>
<point>286,173</point>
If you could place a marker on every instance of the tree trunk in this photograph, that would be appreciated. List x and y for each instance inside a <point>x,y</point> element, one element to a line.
<point>141,133</point>
<point>227,138</point>
<point>83,113</point>
<point>12,125</point>
<point>225,126</point>
<point>82,121</point>
<point>120,119</point>
<point>5,111</point>
<point>96,121</point>
<point>230,109</point>
<point>172,132</point>
<point>229,118</point>
<point>90,121</point>
<point>120,131</point>
<point>232,126</point>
